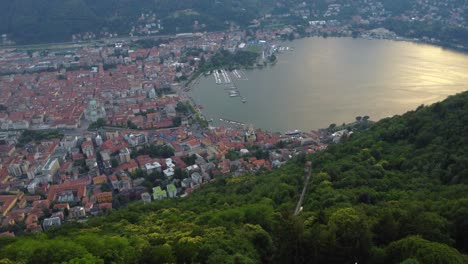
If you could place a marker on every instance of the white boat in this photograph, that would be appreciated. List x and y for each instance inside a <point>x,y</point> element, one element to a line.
<point>293,132</point>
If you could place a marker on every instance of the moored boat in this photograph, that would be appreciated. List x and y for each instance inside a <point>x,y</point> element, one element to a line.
<point>293,132</point>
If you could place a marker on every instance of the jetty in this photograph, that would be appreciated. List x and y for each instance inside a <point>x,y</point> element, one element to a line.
<point>217,77</point>
<point>224,77</point>
<point>240,75</point>
<point>231,122</point>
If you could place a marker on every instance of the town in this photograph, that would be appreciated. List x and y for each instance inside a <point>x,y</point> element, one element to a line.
<point>110,125</point>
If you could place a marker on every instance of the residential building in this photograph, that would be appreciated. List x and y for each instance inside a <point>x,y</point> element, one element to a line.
<point>146,197</point>
<point>7,202</point>
<point>171,190</point>
<point>50,222</point>
<point>104,197</point>
<point>158,193</point>
<point>197,178</point>
<point>152,167</point>
<point>77,212</point>
<point>124,155</point>
<point>169,172</point>
<point>51,167</point>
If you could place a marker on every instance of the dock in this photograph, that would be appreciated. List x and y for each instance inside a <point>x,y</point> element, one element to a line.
<point>227,78</point>
<point>232,122</point>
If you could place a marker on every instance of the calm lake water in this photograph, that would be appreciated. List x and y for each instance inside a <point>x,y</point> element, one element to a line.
<point>333,80</point>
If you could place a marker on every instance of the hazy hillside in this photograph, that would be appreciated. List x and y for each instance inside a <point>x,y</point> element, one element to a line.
<point>36,21</point>
<point>53,20</point>
<point>394,193</point>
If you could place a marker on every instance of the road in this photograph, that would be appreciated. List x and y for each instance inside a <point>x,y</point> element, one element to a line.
<point>102,42</point>
<point>75,44</point>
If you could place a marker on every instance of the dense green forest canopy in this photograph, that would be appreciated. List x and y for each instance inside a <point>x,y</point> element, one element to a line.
<point>395,193</point>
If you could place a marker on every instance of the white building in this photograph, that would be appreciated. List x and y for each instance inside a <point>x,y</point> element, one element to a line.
<point>169,172</point>
<point>151,167</point>
<point>50,222</point>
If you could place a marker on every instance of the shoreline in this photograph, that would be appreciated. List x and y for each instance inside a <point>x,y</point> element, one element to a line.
<point>71,44</point>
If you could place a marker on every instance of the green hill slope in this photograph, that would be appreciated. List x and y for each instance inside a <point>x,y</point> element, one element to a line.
<point>394,193</point>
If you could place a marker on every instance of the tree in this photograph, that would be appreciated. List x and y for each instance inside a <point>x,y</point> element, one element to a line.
<point>288,239</point>
<point>190,160</point>
<point>386,229</point>
<point>186,249</point>
<point>114,163</point>
<point>176,121</point>
<point>86,259</point>
<point>180,174</point>
<point>182,107</point>
<point>131,125</point>
<point>158,254</point>
<point>352,236</point>
<point>156,151</point>
<point>105,188</point>
<point>410,261</point>
<point>260,239</point>
<point>100,122</point>
<point>232,155</point>
<point>423,251</point>
<point>429,225</point>
<point>218,256</point>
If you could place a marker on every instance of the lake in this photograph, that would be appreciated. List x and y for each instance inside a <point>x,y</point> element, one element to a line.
<point>333,80</point>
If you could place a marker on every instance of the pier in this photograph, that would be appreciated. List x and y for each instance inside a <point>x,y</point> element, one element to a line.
<point>224,77</point>
<point>217,78</point>
<point>232,122</point>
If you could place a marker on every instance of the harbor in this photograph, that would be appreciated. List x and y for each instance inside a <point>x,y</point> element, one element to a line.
<point>314,84</point>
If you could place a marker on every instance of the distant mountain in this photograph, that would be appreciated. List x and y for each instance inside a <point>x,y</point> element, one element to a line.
<point>32,21</point>
<point>395,193</point>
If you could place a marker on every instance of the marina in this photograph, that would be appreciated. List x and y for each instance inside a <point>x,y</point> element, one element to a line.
<point>227,78</point>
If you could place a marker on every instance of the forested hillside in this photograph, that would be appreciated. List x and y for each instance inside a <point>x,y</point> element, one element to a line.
<point>393,194</point>
<point>32,21</point>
